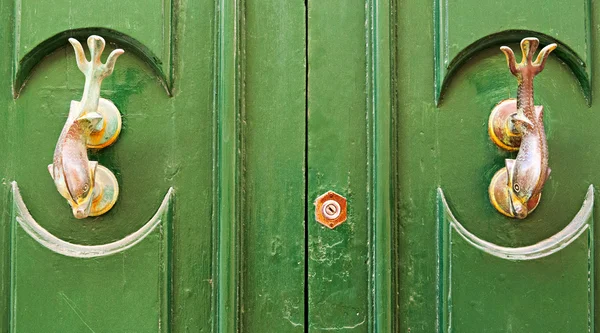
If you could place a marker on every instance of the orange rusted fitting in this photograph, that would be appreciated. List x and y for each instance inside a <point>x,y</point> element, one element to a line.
<point>330,209</point>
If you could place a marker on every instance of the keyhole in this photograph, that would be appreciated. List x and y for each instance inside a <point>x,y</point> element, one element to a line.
<point>331,209</point>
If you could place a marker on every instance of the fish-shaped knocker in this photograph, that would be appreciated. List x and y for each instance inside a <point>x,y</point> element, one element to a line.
<point>93,122</point>
<point>516,189</point>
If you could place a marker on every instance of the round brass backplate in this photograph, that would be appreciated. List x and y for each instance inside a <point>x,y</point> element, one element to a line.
<point>499,196</point>
<point>106,191</point>
<point>499,127</point>
<point>109,129</point>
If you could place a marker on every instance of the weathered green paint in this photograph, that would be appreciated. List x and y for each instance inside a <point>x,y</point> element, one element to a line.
<point>448,147</point>
<point>115,283</point>
<point>349,270</point>
<point>248,148</point>
<point>260,260</point>
<point>227,166</point>
<point>462,30</point>
<point>40,28</point>
<point>6,117</point>
<point>166,141</point>
<point>554,281</point>
<point>380,71</point>
<point>273,204</point>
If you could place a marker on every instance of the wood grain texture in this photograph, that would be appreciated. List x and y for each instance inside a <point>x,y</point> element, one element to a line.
<point>273,203</point>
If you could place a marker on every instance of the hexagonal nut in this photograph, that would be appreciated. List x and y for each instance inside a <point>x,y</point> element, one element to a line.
<point>330,209</point>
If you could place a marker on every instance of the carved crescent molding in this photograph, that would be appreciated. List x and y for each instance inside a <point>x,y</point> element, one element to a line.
<point>551,245</point>
<point>25,65</point>
<point>60,246</point>
<point>446,68</point>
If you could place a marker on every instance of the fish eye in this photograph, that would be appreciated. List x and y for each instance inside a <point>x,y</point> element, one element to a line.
<point>516,187</point>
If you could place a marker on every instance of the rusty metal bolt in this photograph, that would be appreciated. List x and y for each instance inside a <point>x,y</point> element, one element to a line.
<point>330,209</point>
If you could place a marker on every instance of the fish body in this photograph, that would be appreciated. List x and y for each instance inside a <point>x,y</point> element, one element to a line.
<point>72,171</point>
<point>528,173</point>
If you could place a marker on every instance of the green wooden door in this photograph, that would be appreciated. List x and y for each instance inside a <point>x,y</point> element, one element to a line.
<point>159,278</point>
<point>208,232</point>
<point>238,115</point>
<point>460,265</point>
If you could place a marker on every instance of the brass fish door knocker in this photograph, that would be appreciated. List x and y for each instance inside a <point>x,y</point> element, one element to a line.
<point>515,190</point>
<point>94,122</point>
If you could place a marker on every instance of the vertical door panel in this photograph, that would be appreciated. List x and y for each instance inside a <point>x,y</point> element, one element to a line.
<point>338,259</point>
<point>261,135</point>
<point>6,100</point>
<point>163,86</point>
<point>349,267</point>
<point>445,161</point>
<point>273,129</point>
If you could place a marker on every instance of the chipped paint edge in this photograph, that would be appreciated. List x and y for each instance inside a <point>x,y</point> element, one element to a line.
<point>55,244</point>
<point>544,248</point>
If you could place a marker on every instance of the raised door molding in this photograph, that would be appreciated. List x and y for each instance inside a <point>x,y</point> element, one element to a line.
<point>524,284</point>
<point>43,266</point>
<point>463,29</point>
<point>41,28</point>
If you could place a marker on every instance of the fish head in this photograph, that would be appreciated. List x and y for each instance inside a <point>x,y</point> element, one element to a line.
<point>80,181</point>
<point>518,208</point>
<point>517,194</point>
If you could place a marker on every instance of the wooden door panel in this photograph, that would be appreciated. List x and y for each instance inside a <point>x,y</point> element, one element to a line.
<point>163,279</point>
<point>349,101</point>
<point>146,27</point>
<point>473,280</point>
<point>444,147</point>
<point>273,132</point>
<point>337,106</point>
<point>136,205</point>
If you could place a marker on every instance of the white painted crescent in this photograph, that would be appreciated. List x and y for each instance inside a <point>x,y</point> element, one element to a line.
<point>555,243</point>
<point>60,246</point>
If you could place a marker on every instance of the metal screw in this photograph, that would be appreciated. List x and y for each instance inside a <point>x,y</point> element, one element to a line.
<point>331,209</point>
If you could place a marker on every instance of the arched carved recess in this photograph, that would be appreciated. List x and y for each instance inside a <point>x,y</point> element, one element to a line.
<point>557,271</point>
<point>39,30</point>
<point>161,220</point>
<point>490,24</point>
<point>33,55</point>
<point>65,274</point>
<point>125,264</point>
